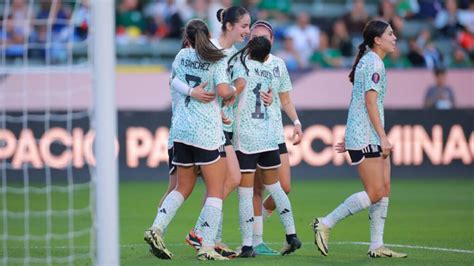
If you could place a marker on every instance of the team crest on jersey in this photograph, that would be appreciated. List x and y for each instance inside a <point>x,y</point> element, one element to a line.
<point>276,72</point>
<point>376,77</point>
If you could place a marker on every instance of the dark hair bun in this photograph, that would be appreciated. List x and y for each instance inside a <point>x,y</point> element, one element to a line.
<point>220,15</point>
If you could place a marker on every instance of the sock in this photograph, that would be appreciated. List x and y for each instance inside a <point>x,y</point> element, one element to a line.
<point>283,206</point>
<point>168,209</point>
<point>219,229</point>
<point>246,218</point>
<point>352,205</point>
<point>266,213</point>
<point>377,216</point>
<point>208,221</point>
<point>257,231</point>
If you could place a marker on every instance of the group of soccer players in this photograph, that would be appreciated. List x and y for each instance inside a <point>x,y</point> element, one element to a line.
<point>227,127</point>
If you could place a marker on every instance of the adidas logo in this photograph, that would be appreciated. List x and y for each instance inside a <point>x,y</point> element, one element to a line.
<point>205,224</point>
<point>250,220</point>
<point>163,211</point>
<point>284,211</point>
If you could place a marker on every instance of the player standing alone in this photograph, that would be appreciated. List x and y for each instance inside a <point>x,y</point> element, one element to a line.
<point>366,142</point>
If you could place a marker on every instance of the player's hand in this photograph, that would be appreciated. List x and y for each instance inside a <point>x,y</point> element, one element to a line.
<point>229,101</point>
<point>225,119</point>
<point>267,97</point>
<point>340,147</point>
<point>297,134</point>
<point>386,147</point>
<point>201,95</point>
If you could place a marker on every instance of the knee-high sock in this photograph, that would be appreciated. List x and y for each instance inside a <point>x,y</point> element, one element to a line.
<point>377,215</point>
<point>208,221</point>
<point>352,205</point>
<point>246,218</point>
<point>283,206</point>
<point>168,209</point>
<point>257,231</point>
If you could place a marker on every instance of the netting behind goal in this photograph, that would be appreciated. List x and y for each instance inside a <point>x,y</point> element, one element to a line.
<point>46,137</point>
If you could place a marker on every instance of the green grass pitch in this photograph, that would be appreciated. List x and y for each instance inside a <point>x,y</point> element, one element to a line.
<point>425,215</point>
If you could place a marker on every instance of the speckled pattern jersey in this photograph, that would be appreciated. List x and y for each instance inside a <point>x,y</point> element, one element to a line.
<point>195,123</point>
<point>369,75</point>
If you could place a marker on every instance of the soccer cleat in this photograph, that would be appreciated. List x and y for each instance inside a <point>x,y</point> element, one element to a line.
<point>157,246</point>
<point>209,254</point>
<point>246,252</point>
<point>321,236</point>
<point>263,249</point>
<point>384,252</point>
<point>225,251</point>
<point>194,240</point>
<point>291,246</point>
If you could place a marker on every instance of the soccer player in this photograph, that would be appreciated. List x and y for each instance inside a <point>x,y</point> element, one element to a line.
<point>281,99</point>
<point>366,142</point>
<point>198,141</point>
<point>256,144</point>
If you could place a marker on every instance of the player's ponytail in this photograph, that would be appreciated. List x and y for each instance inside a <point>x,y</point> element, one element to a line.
<point>197,35</point>
<point>372,29</point>
<point>258,48</point>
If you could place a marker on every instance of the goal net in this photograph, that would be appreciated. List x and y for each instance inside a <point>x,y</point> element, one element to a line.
<point>47,132</point>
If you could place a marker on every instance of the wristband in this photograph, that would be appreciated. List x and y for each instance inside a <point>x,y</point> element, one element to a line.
<point>297,122</point>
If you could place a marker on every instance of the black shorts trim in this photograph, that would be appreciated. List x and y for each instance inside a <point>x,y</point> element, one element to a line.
<point>265,160</point>
<point>370,151</point>
<point>187,155</point>
<point>282,148</point>
<point>171,166</point>
<point>228,138</point>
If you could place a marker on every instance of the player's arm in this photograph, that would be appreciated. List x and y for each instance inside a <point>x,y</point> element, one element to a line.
<point>374,115</point>
<point>225,90</point>
<point>197,92</point>
<point>290,111</point>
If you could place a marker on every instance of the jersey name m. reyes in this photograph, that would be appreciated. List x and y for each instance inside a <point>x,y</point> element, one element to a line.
<point>195,64</point>
<point>263,73</point>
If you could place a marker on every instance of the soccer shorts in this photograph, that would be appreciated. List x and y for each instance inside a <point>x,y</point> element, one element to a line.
<point>171,165</point>
<point>265,160</point>
<point>282,148</point>
<point>187,155</point>
<point>370,151</point>
<point>228,138</point>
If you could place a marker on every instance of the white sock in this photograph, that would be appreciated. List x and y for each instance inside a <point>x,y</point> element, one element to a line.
<point>257,231</point>
<point>377,216</point>
<point>283,207</point>
<point>246,218</point>
<point>352,205</point>
<point>219,229</point>
<point>168,209</point>
<point>266,213</point>
<point>208,221</point>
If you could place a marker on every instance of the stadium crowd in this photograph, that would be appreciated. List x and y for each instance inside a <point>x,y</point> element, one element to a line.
<point>309,34</point>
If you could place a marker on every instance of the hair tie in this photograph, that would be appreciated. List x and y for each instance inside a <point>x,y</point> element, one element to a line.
<point>222,16</point>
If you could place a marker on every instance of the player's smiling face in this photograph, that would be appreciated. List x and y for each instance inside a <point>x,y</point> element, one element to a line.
<point>241,29</point>
<point>387,41</point>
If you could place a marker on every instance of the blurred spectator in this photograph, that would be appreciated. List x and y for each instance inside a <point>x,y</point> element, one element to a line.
<point>386,11</point>
<point>292,58</point>
<point>82,18</point>
<point>19,13</point>
<point>429,8</point>
<point>305,37</point>
<point>439,96</point>
<point>341,39</point>
<point>447,20</point>
<point>433,58</point>
<point>13,37</point>
<point>59,14</point>
<point>396,60</point>
<point>130,23</point>
<point>460,59</point>
<point>415,54</point>
<point>407,9</point>
<point>466,41</point>
<point>466,17</point>
<point>356,19</point>
<point>326,57</point>
<point>164,19</point>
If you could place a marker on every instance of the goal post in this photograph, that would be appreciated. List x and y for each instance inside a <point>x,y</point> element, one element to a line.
<point>105,116</point>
